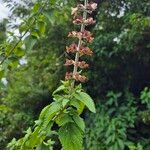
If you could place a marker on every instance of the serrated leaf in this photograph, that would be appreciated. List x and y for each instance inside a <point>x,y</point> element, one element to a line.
<point>51,111</point>
<point>64,102</point>
<point>79,121</point>
<point>78,105</point>
<point>71,137</point>
<point>58,98</point>
<point>44,111</point>
<point>86,99</point>
<point>64,119</point>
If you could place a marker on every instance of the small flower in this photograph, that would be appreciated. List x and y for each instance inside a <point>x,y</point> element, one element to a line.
<point>82,64</point>
<point>74,11</point>
<point>68,75</point>
<point>89,21</point>
<point>84,35</point>
<point>91,6</point>
<point>85,51</point>
<point>78,20</point>
<point>79,77</point>
<point>81,7</point>
<point>75,34</point>
<point>69,62</point>
<point>72,48</point>
<point>87,35</point>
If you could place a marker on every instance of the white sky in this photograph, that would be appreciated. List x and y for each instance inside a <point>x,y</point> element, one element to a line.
<point>4,11</point>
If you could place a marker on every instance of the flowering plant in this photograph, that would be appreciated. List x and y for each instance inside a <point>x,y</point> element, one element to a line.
<point>69,99</point>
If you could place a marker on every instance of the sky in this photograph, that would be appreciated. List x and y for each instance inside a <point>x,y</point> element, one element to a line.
<point>4,11</point>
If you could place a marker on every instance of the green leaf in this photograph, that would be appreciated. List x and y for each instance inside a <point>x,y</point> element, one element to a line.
<point>14,63</point>
<point>36,7</point>
<point>59,89</point>
<point>30,42</point>
<point>64,119</point>
<point>71,137</point>
<point>50,112</point>
<point>79,121</point>
<point>23,27</point>
<point>44,111</point>
<point>78,105</point>
<point>58,98</point>
<point>19,52</point>
<point>86,99</point>
<point>35,34</point>
<point>49,16</point>
<point>64,102</point>
<point>120,144</point>
<point>41,27</point>
<point>4,108</point>
<point>1,73</point>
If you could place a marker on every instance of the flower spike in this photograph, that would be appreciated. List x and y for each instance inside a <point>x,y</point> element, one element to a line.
<point>84,36</point>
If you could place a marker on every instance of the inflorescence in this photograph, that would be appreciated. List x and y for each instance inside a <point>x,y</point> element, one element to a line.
<point>81,17</point>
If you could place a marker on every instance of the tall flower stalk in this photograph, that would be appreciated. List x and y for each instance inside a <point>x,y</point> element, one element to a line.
<point>69,99</point>
<point>80,18</point>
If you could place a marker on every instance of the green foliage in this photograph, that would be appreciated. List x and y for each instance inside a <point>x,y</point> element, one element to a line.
<point>33,76</point>
<point>121,61</point>
<point>114,116</point>
<point>115,123</point>
<point>145,99</point>
<point>61,112</point>
<point>10,123</point>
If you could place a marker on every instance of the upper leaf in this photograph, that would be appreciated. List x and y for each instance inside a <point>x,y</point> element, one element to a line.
<point>86,99</point>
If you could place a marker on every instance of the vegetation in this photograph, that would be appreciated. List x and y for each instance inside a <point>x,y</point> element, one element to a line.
<point>119,75</point>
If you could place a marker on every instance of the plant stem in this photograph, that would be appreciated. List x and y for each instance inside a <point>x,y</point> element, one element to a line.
<point>75,70</point>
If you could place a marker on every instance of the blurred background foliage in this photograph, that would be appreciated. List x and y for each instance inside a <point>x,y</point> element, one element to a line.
<point>119,73</point>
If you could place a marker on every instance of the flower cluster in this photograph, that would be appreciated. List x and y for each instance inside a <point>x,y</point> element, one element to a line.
<point>90,7</point>
<point>83,37</point>
<point>81,64</point>
<point>82,49</point>
<point>76,76</point>
<point>87,35</point>
<point>80,20</point>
